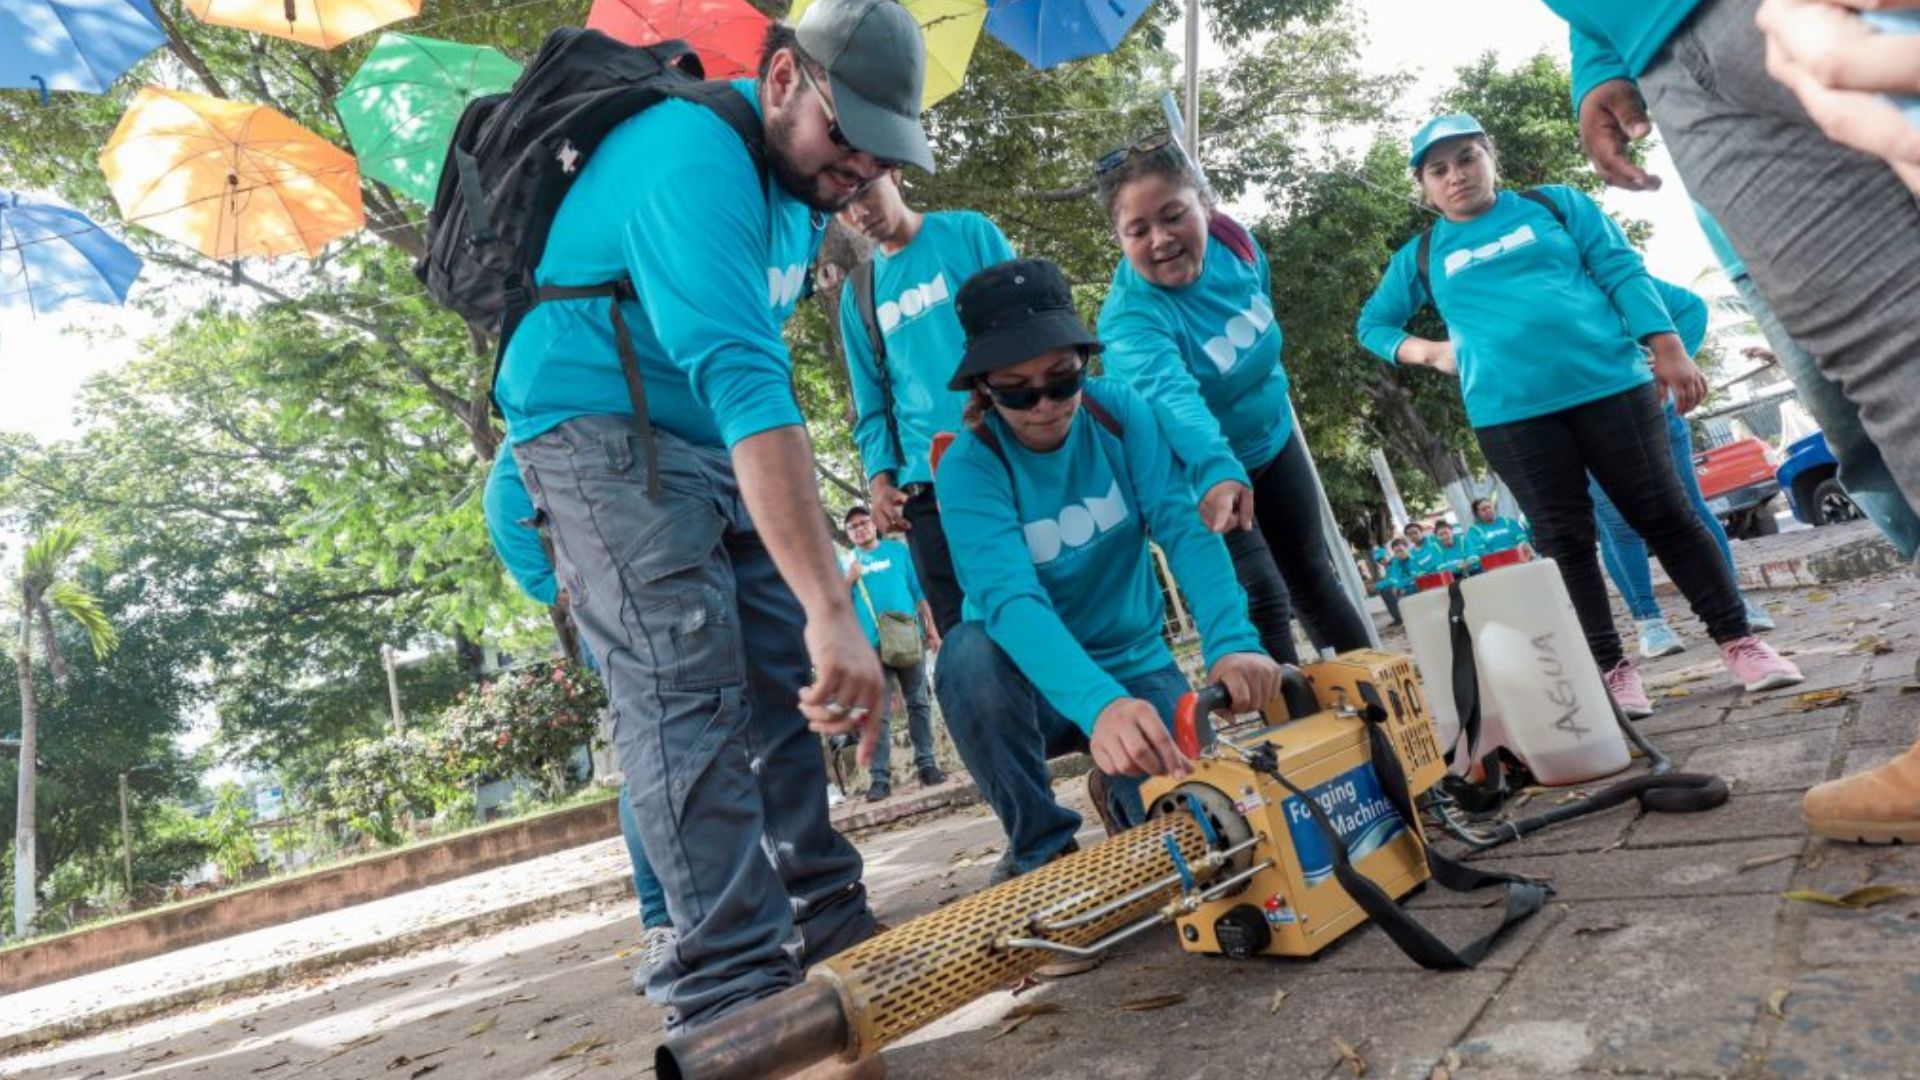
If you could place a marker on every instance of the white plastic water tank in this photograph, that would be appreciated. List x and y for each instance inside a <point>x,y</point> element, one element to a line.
<point>1540,693</point>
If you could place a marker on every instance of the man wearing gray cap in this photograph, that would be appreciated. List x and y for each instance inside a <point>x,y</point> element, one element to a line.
<point>692,541</point>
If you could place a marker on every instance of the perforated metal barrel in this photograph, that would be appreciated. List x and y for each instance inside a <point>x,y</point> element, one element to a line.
<point>904,979</point>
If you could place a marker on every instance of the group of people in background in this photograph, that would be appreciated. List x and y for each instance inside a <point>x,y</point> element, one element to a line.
<point>696,553</point>
<point>1415,554</point>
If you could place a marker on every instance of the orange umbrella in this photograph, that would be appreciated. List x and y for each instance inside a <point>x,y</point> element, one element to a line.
<point>228,179</point>
<point>727,34</point>
<point>319,23</point>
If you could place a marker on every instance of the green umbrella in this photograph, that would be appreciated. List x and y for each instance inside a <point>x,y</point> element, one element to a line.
<point>402,105</point>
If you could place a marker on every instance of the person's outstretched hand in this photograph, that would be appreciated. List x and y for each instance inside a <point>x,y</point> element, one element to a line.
<point>1613,116</point>
<point>1130,739</point>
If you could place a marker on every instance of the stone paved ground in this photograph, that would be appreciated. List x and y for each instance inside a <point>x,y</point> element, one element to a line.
<point>1666,953</point>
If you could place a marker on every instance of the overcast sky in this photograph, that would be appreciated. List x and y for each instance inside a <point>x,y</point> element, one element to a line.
<point>42,363</point>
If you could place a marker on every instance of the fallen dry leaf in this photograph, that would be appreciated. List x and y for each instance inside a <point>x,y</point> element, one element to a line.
<point>586,1045</point>
<point>1352,1058</point>
<point>1679,691</point>
<point>1871,645</point>
<point>1158,1001</point>
<point>1766,860</point>
<point>483,1026</point>
<point>1029,1010</point>
<point>1858,899</point>
<point>422,1071</point>
<point>1776,1003</point>
<point>1599,928</point>
<point>1278,997</point>
<point>1822,699</point>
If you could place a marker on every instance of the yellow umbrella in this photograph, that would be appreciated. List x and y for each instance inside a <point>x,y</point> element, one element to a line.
<point>319,23</point>
<point>229,179</point>
<point>951,28</point>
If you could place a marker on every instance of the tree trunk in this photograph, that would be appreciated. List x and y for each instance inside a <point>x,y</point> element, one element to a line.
<point>1399,423</point>
<point>565,633</point>
<point>25,892</point>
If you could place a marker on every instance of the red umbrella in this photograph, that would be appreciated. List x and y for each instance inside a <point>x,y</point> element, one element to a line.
<point>726,33</point>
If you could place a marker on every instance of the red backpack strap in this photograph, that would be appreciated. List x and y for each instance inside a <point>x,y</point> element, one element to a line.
<point>1233,234</point>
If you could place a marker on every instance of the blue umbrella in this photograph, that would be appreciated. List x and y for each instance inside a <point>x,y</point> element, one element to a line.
<point>53,255</point>
<point>1050,32</point>
<point>73,44</point>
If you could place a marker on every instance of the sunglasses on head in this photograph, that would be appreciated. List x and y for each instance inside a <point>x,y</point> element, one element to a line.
<point>1119,156</point>
<point>1022,398</point>
<point>834,133</point>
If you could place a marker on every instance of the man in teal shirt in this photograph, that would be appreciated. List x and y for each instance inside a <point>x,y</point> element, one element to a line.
<point>694,548</point>
<point>900,397</point>
<point>881,575</point>
<point>1396,580</point>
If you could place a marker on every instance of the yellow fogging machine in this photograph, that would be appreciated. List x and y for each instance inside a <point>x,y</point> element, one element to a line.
<point>1283,838</point>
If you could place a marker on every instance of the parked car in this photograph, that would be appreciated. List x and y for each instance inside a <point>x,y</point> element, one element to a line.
<point>1738,481</point>
<point>1810,477</point>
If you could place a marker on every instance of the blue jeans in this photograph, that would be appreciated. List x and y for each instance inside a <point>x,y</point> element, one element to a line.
<point>703,651</point>
<point>1622,550</point>
<point>1863,471</point>
<point>646,885</point>
<point>1006,732</point>
<point>912,682</point>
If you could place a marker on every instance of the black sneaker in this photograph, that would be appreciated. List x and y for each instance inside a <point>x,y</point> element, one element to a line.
<point>879,790</point>
<point>932,775</point>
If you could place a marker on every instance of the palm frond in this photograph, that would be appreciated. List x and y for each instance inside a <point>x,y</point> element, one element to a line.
<point>46,553</point>
<point>83,607</point>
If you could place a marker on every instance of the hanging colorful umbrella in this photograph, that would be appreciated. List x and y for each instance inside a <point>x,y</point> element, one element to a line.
<point>727,34</point>
<point>1047,33</point>
<point>402,105</point>
<point>73,44</point>
<point>228,179</point>
<point>951,28</point>
<point>53,255</point>
<point>319,23</point>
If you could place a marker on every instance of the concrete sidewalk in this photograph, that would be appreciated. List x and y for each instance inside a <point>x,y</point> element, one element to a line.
<point>1670,950</point>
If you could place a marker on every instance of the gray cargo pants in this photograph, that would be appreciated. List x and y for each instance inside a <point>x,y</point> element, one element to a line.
<point>701,646</point>
<point>1831,235</point>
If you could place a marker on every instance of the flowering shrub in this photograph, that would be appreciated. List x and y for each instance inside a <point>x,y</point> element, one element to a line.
<point>527,722</point>
<point>371,785</point>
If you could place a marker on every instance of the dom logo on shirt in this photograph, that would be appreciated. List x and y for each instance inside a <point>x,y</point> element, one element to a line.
<point>1462,258</point>
<point>1076,526</point>
<point>916,301</point>
<point>1241,331</point>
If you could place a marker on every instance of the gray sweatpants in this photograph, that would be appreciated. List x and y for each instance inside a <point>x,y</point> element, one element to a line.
<point>700,642</point>
<point>1831,235</point>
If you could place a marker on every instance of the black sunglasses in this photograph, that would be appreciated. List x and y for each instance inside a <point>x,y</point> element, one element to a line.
<point>1022,398</point>
<point>834,133</point>
<point>1115,158</point>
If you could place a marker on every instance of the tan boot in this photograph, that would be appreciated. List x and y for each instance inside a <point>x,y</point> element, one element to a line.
<point>867,1068</point>
<point>1879,806</point>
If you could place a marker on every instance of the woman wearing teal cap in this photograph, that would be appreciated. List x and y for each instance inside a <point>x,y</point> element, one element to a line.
<point>1549,310</point>
<point>1189,325</point>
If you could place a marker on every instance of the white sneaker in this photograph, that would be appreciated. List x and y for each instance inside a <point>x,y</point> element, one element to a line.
<point>1758,618</point>
<point>1657,639</point>
<point>655,946</point>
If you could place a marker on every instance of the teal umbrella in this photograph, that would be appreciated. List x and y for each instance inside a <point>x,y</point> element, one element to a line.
<point>402,105</point>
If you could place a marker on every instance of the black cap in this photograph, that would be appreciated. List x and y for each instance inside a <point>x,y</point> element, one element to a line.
<point>1012,313</point>
<point>854,511</point>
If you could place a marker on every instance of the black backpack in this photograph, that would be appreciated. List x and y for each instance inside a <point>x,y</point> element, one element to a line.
<point>515,156</point>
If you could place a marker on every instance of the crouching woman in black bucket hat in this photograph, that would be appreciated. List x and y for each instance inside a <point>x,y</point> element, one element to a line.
<point>1049,495</point>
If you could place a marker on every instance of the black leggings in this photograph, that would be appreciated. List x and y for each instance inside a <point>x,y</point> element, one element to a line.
<point>1622,441</point>
<point>1285,560</point>
<point>932,562</point>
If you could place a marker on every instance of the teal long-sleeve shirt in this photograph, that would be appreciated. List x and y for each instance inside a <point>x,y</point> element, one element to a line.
<point>1488,537</point>
<point>1051,551</point>
<point>516,540</point>
<point>913,293</point>
<point>1617,39</point>
<point>1542,316</point>
<point>718,259</point>
<point>1688,311</point>
<point>1398,575</point>
<point>1206,356</point>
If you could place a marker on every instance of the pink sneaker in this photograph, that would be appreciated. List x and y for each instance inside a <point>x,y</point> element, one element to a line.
<point>1756,666</point>
<point>1623,683</point>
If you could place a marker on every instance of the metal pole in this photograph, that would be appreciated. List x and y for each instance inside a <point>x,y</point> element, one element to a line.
<point>1193,82</point>
<point>393,685</point>
<point>126,838</point>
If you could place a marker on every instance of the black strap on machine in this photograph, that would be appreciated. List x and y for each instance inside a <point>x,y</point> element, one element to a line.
<point>1524,896</point>
<point>862,283</point>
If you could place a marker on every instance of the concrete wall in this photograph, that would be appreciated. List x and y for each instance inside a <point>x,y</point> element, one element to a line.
<point>272,903</point>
